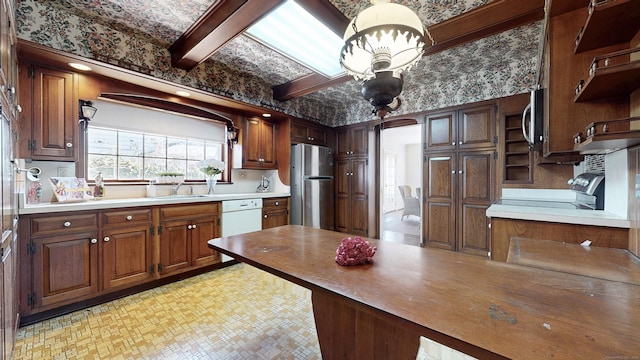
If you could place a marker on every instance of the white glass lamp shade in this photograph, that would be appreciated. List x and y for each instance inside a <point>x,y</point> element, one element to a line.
<point>383,37</point>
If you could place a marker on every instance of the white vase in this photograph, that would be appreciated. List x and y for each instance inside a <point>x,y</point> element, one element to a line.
<point>211,183</point>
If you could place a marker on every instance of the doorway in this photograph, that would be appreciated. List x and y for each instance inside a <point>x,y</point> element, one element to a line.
<point>401,167</point>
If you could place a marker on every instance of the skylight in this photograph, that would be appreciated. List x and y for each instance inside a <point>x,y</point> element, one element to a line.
<point>291,30</point>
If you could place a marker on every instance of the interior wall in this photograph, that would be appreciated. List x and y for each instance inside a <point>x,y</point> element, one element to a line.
<point>413,168</point>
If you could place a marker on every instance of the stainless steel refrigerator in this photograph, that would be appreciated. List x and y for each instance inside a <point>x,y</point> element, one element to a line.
<point>312,186</point>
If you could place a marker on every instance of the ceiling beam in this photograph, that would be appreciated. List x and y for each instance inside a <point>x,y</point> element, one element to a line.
<point>223,21</point>
<point>487,20</point>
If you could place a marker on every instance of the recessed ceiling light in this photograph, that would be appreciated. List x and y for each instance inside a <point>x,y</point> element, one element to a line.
<point>79,66</point>
<point>182,93</point>
<point>266,115</point>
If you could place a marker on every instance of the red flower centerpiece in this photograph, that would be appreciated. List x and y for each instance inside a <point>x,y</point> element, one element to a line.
<point>355,251</point>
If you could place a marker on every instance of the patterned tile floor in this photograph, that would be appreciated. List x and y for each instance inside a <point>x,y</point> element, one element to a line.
<point>238,313</point>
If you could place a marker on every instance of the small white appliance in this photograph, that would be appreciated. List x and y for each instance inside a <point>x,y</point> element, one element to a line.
<point>240,217</point>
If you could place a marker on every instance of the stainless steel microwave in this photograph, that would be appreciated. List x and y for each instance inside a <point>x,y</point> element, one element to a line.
<point>533,120</point>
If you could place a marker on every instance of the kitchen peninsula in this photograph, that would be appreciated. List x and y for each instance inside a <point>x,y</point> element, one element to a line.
<point>484,308</point>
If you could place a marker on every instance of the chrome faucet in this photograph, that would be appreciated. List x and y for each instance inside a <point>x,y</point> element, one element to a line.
<point>176,187</point>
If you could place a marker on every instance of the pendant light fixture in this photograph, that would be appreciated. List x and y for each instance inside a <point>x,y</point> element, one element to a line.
<point>380,44</point>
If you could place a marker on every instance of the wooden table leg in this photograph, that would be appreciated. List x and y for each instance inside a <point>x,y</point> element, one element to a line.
<point>349,330</point>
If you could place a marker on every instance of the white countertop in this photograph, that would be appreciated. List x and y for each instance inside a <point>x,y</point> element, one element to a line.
<point>123,203</point>
<point>558,215</point>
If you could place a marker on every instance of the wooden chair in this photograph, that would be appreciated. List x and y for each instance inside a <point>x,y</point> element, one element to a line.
<point>411,204</point>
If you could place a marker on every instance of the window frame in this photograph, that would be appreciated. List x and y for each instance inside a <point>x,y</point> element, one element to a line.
<point>225,152</point>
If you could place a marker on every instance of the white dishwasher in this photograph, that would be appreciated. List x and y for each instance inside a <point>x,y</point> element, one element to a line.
<point>240,217</point>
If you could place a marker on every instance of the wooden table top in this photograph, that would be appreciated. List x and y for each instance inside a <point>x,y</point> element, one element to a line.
<point>463,301</point>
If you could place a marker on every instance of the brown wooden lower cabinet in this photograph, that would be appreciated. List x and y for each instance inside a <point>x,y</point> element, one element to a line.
<point>502,230</point>
<point>184,232</point>
<point>275,212</point>
<point>68,258</point>
<point>126,245</point>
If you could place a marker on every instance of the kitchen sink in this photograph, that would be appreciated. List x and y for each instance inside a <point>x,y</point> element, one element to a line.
<point>179,197</point>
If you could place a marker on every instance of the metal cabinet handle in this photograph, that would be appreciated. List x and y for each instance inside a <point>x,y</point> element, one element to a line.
<point>194,226</point>
<point>460,171</point>
<point>67,223</point>
<point>277,203</point>
<point>265,216</point>
<point>189,227</point>
<point>453,143</point>
<point>94,241</point>
<point>69,145</point>
<point>460,143</point>
<point>106,239</point>
<point>129,217</point>
<point>453,171</point>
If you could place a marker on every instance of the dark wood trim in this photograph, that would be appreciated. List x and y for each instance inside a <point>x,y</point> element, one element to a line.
<point>398,122</point>
<point>134,82</point>
<point>482,31</point>
<point>223,21</point>
<point>167,105</point>
<point>333,18</point>
<point>306,85</point>
<point>487,20</point>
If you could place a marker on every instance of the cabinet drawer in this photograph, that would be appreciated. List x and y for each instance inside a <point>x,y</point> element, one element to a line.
<point>275,203</point>
<point>127,217</point>
<point>63,224</point>
<point>189,211</point>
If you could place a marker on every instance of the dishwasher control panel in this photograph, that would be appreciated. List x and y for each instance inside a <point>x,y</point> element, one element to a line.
<point>240,205</point>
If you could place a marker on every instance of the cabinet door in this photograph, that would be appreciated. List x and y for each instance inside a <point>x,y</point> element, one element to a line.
<point>259,144</point>
<point>268,145</point>
<point>53,257</point>
<point>126,256</point>
<point>298,133</point>
<point>8,309</point>
<point>342,195</point>
<point>352,202</point>
<point>439,221</point>
<point>251,143</point>
<point>55,115</point>
<point>316,135</point>
<point>274,219</point>
<point>175,249</point>
<point>476,184</point>
<point>343,143</point>
<point>359,197</point>
<point>202,230</point>
<point>360,140</point>
<point>440,131</point>
<point>476,127</point>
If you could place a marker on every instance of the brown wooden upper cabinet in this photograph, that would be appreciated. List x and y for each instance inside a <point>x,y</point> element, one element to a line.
<point>563,71</point>
<point>461,129</point>
<point>49,120</point>
<point>306,133</point>
<point>8,58</point>
<point>352,141</point>
<point>259,144</point>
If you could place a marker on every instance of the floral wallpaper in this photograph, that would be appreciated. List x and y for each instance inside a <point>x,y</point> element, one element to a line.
<point>138,33</point>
